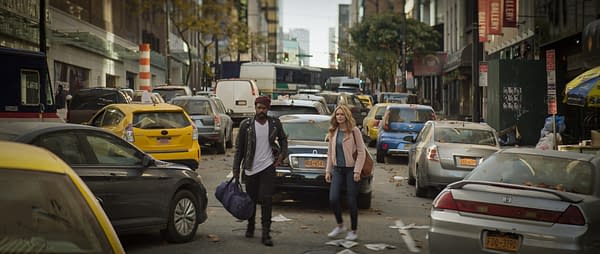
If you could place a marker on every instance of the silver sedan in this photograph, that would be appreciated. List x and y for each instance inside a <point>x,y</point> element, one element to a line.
<point>521,200</point>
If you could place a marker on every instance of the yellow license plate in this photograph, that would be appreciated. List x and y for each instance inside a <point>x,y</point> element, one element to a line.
<point>314,163</point>
<point>468,162</point>
<point>503,243</point>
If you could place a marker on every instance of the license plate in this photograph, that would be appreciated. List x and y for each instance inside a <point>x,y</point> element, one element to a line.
<point>502,242</point>
<point>468,162</point>
<point>314,163</point>
<point>163,141</point>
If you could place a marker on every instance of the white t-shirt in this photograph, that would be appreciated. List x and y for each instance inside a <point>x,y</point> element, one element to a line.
<point>263,156</point>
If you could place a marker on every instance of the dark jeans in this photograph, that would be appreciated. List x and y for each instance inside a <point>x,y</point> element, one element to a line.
<point>260,188</point>
<point>344,176</point>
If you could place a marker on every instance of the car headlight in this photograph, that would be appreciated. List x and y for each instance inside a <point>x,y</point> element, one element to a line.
<point>294,162</point>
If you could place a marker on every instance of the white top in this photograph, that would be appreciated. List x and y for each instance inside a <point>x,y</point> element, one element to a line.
<point>263,156</point>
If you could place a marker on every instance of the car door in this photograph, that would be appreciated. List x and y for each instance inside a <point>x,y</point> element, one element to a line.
<point>133,196</point>
<point>419,147</point>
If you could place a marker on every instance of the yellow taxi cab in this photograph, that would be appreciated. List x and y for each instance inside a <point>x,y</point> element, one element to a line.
<point>162,130</point>
<point>46,207</point>
<point>371,122</point>
<point>366,100</point>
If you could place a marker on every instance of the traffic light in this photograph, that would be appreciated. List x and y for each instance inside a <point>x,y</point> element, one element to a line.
<point>338,58</point>
<point>286,56</point>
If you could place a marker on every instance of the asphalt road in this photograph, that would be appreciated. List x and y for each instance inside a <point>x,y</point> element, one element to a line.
<point>309,219</point>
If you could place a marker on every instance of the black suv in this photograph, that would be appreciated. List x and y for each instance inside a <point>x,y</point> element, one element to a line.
<point>85,102</point>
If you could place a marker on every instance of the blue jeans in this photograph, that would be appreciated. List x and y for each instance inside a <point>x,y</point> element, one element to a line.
<point>341,176</point>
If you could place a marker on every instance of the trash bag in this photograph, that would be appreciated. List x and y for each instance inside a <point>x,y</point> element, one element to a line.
<point>234,199</point>
<point>560,124</point>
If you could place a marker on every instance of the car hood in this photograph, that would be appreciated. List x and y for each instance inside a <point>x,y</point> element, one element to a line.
<point>306,146</point>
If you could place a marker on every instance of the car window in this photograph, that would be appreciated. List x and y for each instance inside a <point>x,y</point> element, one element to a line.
<point>540,171</point>
<point>160,120</point>
<point>95,99</point>
<point>218,106</point>
<point>410,115</point>
<point>464,136</point>
<point>195,107</point>
<point>112,116</point>
<point>310,130</point>
<point>45,212</point>
<point>110,150</point>
<point>423,133</point>
<point>285,110</point>
<point>169,94</point>
<point>65,145</point>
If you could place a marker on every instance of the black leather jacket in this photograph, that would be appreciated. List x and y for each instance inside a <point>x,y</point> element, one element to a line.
<point>246,142</point>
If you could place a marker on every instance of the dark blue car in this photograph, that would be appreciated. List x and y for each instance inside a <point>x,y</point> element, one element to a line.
<point>399,121</point>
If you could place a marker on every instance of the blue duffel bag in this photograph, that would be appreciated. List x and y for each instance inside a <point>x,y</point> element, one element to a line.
<point>234,199</point>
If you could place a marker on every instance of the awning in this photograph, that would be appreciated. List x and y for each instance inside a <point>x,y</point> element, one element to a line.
<point>585,94</point>
<point>589,74</point>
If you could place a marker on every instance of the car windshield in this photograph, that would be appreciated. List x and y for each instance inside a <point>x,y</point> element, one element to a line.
<point>464,136</point>
<point>94,99</point>
<point>169,94</point>
<point>410,115</point>
<point>561,174</point>
<point>44,213</point>
<point>160,120</point>
<point>194,107</point>
<point>309,130</point>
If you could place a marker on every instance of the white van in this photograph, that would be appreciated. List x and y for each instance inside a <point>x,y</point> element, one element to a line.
<point>238,95</point>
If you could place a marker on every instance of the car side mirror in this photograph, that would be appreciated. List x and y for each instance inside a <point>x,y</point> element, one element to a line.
<point>148,161</point>
<point>229,111</point>
<point>409,138</point>
<point>378,117</point>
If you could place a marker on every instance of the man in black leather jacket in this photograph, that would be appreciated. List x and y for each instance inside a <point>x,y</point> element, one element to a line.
<point>261,145</point>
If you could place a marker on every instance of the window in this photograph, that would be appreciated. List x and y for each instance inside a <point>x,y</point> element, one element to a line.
<point>30,87</point>
<point>65,145</point>
<point>112,116</point>
<point>160,120</point>
<point>110,150</point>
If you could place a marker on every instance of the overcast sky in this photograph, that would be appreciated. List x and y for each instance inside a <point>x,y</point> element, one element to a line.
<point>317,16</point>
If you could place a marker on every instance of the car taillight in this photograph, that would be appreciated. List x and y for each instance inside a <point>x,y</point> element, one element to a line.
<point>386,126</point>
<point>445,201</point>
<point>128,134</point>
<point>217,120</point>
<point>385,146</point>
<point>376,123</point>
<point>432,153</point>
<point>433,116</point>
<point>194,132</point>
<point>571,216</point>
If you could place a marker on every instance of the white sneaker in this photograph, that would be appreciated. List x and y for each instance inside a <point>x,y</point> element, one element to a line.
<point>351,236</point>
<point>336,231</point>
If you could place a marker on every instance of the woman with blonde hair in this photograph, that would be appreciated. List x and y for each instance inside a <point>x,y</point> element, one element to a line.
<point>345,159</point>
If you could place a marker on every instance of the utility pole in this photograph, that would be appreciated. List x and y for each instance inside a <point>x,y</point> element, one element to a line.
<point>403,74</point>
<point>167,51</point>
<point>475,64</point>
<point>42,27</point>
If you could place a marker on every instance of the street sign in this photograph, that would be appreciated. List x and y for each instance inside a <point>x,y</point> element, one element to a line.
<point>551,79</point>
<point>483,74</point>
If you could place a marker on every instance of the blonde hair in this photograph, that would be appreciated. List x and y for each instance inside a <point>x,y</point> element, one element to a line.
<point>350,122</point>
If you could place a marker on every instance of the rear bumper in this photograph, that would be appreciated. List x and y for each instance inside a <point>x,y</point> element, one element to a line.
<point>440,177</point>
<point>191,156</point>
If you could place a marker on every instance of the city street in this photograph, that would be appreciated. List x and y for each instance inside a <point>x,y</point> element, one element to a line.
<point>310,219</point>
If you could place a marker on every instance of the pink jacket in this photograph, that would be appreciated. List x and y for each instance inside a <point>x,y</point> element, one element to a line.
<point>351,145</point>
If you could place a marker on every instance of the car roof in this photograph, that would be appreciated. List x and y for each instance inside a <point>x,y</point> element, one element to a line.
<point>300,118</point>
<point>146,107</point>
<point>464,124</point>
<point>28,128</point>
<point>11,157</point>
<point>192,97</point>
<point>170,87</point>
<point>294,102</point>
<point>415,106</point>
<point>552,153</point>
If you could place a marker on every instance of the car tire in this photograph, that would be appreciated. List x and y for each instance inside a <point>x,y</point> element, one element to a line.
<point>183,218</point>
<point>411,177</point>
<point>380,156</point>
<point>221,146</point>
<point>229,143</point>
<point>420,190</point>
<point>364,200</point>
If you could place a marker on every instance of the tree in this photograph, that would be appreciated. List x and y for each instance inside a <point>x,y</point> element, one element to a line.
<point>377,44</point>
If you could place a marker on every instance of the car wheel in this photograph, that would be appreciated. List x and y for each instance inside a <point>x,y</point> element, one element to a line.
<point>183,218</point>
<point>364,200</point>
<point>411,177</point>
<point>229,143</point>
<point>380,156</point>
<point>221,145</point>
<point>420,188</point>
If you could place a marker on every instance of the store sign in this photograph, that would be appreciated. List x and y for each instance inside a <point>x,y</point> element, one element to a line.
<point>509,17</point>
<point>484,25</point>
<point>495,17</point>
<point>483,74</point>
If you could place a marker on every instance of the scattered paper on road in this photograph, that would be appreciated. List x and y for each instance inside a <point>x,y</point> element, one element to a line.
<point>346,251</point>
<point>379,246</point>
<point>213,238</point>
<point>280,218</point>
<point>410,226</point>
<point>398,178</point>
<point>343,243</point>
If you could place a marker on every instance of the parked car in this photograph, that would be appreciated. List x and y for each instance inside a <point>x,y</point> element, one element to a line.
<point>163,130</point>
<point>46,207</point>
<point>169,92</point>
<point>521,200</point>
<point>293,106</point>
<point>137,192</point>
<point>304,169</point>
<point>366,100</point>
<point>215,127</point>
<point>394,97</point>
<point>359,111</point>
<point>153,96</point>
<point>371,122</point>
<point>311,97</point>
<point>87,101</point>
<point>445,151</point>
<point>399,121</point>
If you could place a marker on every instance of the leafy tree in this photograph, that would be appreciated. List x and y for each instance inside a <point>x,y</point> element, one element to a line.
<point>377,44</point>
